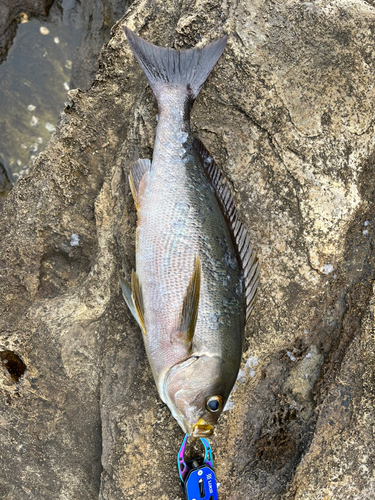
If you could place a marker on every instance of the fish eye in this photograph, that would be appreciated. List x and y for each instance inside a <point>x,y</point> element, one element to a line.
<point>214,404</point>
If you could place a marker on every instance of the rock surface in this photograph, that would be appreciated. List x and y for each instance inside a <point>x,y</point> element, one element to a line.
<point>97,19</point>
<point>288,113</point>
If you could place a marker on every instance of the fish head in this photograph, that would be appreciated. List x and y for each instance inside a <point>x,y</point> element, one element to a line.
<point>195,392</point>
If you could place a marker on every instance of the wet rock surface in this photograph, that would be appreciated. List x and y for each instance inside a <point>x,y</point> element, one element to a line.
<point>10,16</point>
<point>97,19</point>
<point>288,114</point>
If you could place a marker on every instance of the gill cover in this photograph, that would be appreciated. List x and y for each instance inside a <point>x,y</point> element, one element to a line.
<point>187,388</point>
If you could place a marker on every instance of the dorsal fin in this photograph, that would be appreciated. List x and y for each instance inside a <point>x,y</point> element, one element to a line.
<point>190,305</point>
<point>137,172</point>
<point>247,255</point>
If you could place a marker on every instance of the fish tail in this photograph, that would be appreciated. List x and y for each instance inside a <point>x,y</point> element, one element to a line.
<point>186,69</point>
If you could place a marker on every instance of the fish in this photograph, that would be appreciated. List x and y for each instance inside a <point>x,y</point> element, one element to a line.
<point>197,273</point>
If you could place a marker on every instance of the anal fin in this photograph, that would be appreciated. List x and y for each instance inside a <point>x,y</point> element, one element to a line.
<point>137,172</point>
<point>245,251</point>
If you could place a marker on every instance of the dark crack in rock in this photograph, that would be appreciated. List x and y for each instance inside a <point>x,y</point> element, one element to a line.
<point>5,184</point>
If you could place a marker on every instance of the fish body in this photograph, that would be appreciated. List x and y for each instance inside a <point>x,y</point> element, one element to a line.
<point>189,291</point>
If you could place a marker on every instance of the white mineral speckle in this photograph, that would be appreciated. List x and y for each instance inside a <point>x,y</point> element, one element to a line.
<point>66,86</point>
<point>51,128</point>
<point>229,405</point>
<point>19,163</point>
<point>56,39</point>
<point>40,140</point>
<point>366,223</point>
<point>74,240</point>
<point>24,146</point>
<point>31,107</point>
<point>306,331</point>
<point>44,30</point>
<point>34,121</point>
<point>365,232</point>
<point>290,356</point>
<point>308,356</point>
<point>327,268</point>
<point>251,362</point>
<point>252,373</point>
<point>241,377</point>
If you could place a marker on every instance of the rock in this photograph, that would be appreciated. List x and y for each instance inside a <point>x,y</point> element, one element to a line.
<point>97,19</point>
<point>12,12</point>
<point>288,114</point>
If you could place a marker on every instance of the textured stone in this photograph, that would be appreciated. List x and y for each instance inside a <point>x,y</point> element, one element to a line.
<point>288,114</point>
<point>97,18</point>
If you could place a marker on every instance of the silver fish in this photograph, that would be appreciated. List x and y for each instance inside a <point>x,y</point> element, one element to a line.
<point>197,274</point>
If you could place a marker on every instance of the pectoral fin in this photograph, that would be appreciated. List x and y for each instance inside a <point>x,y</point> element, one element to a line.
<point>135,306</point>
<point>138,174</point>
<point>190,305</point>
<point>138,300</point>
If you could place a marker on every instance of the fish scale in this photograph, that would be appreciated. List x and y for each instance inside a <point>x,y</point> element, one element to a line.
<point>187,294</point>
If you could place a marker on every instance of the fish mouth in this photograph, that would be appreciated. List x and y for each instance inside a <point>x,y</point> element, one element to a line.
<point>202,429</point>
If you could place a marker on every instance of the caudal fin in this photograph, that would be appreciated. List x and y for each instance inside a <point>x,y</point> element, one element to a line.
<point>188,69</point>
